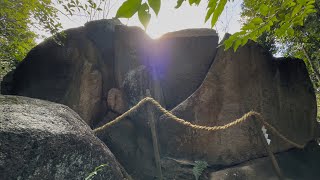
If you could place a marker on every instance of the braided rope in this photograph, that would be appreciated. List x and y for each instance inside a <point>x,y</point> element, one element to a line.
<point>194,126</point>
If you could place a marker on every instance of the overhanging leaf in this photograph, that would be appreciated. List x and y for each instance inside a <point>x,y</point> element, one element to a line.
<point>217,12</point>
<point>249,26</point>
<point>144,15</point>
<point>302,2</point>
<point>296,10</point>
<point>290,32</point>
<point>212,6</point>
<point>311,2</point>
<point>128,8</point>
<point>256,20</point>
<point>192,2</point>
<point>263,9</point>
<point>179,3</point>
<point>155,5</point>
<point>237,43</point>
<point>244,41</point>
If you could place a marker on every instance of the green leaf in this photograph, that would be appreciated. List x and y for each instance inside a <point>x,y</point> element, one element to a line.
<point>296,10</point>
<point>311,2</point>
<point>212,3</point>
<point>198,168</point>
<point>264,9</point>
<point>128,9</point>
<point>302,2</point>
<point>155,5</point>
<point>309,11</point>
<point>227,43</point>
<point>217,12</point>
<point>144,15</point>
<point>249,26</point>
<point>192,2</point>
<point>310,7</point>
<point>179,3</point>
<point>198,2</point>
<point>257,20</point>
<point>209,13</point>
<point>274,19</point>
<point>290,32</point>
<point>212,6</point>
<point>236,45</point>
<point>244,41</point>
<point>290,4</point>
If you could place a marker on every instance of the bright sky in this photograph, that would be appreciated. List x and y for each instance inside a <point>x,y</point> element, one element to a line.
<point>171,19</point>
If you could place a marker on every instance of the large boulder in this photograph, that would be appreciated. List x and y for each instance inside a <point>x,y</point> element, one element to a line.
<point>45,140</point>
<point>237,82</point>
<point>174,59</point>
<point>78,73</point>
<point>183,59</point>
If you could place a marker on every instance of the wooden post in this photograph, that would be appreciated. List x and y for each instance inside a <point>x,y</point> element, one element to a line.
<point>258,126</point>
<point>154,137</point>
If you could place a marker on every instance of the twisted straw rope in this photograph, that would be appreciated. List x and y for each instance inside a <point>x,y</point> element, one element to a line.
<point>194,126</point>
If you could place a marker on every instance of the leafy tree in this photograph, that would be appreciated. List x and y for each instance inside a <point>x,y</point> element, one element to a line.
<point>17,17</point>
<point>302,41</point>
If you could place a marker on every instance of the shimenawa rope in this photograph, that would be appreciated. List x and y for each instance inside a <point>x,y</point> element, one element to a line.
<point>245,117</point>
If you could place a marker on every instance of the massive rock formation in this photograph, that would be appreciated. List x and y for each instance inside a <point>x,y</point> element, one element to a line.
<point>104,68</point>
<point>99,56</point>
<point>45,140</point>
<point>249,79</point>
<point>78,74</point>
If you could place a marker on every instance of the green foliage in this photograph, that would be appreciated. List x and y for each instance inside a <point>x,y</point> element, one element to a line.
<point>268,42</point>
<point>128,8</point>
<point>198,168</point>
<point>300,41</point>
<point>144,15</point>
<point>131,7</point>
<point>155,5</point>
<point>179,3</point>
<point>215,9</point>
<point>96,171</point>
<point>280,16</point>
<point>18,19</point>
<point>16,38</point>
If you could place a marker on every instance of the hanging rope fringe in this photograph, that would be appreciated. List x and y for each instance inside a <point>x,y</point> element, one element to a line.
<point>245,117</point>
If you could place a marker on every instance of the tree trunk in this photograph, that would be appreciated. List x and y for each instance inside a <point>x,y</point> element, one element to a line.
<point>313,66</point>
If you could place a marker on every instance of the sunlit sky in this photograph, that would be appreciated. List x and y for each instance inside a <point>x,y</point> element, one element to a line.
<point>171,19</point>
